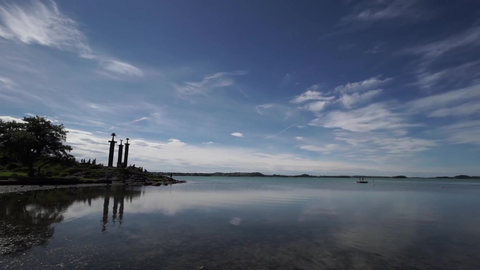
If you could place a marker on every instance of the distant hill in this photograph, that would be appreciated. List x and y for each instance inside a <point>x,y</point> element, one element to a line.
<point>259,174</point>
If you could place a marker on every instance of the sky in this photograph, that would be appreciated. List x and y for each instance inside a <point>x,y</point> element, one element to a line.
<point>378,87</point>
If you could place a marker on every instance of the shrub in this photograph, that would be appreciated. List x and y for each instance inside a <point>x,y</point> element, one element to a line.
<point>12,166</point>
<point>74,170</point>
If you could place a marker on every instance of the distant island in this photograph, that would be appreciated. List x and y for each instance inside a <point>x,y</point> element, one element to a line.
<point>259,174</point>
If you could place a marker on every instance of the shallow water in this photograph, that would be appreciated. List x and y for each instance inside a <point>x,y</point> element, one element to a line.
<point>246,223</point>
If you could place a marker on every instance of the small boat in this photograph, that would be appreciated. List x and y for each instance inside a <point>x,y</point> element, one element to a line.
<point>362,181</point>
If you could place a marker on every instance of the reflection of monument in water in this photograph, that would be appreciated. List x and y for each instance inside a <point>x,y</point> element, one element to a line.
<point>118,195</point>
<point>28,220</point>
<point>111,153</point>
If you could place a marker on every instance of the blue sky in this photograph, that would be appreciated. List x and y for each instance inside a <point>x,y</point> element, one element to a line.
<point>324,87</point>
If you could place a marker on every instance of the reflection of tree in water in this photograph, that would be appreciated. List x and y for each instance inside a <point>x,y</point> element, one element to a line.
<point>25,220</point>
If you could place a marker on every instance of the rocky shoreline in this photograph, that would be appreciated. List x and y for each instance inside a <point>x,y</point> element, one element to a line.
<point>26,188</point>
<point>12,188</point>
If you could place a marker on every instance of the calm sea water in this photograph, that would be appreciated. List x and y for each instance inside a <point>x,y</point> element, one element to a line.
<point>246,223</point>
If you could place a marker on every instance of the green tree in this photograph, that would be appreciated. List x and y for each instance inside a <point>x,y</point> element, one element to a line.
<point>35,139</point>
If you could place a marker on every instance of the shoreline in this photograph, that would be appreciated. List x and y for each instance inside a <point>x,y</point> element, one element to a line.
<point>19,188</point>
<point>5,189</point>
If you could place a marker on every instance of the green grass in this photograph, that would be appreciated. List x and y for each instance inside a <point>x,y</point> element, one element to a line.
<point>85,172</point>
<point>12,174</point>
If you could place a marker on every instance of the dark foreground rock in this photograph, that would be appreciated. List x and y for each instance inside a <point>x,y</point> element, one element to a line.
<point>167,182</point>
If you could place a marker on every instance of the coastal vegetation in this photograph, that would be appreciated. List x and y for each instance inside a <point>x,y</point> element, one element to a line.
<point>34,141</point>
<point>34,151</point>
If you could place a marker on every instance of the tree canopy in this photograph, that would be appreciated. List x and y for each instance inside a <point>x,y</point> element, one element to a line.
<point>34,139</point>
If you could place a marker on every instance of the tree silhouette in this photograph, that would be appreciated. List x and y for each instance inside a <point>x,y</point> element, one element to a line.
<point>32,140</point>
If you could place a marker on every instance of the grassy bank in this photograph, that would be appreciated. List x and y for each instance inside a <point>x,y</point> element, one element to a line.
<point>79,173</point>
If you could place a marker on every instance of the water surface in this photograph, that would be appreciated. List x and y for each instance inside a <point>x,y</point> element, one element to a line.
<point>246,223</point>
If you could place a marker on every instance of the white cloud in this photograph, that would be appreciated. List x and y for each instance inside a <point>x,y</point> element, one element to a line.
<point>237,134</point>
<point>310,94</point>
<point>121,68</point>
<point>439,48</point>
<point>6,82</point>
<point>316,106</point>
<point>217,80</point>
<point>10,118</point>
<point>172,143</point>
<point>260,108</point>
<point>175,155</point>
<point>466,109</point>
<point>327,149</point>
<point>349,100</point>
<point>464,73</point>
<point>368,84</point>
<point>382,143</point>
<point>43,24</point>
<point>403,144</point>
<point>370,11</point>
<point>437,104</point>
<point>207,143</point>
<point>373,117</point>
<point>464,132</point>
<point>278,111</point>
<point>110,108</point>
<point>299,138</point>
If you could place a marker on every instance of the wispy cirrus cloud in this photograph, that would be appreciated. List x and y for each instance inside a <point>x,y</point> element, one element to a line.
<point>282,131</point>
<point>348,95</point>
<point>452,50</point>
<point>372,117</point>
<point>348,100</point>
<point>368,84</point>
<point>402,145</point>
<point>431,51</point>
<point>260,108</point>
<point>6,82</point>
<point>453,103</point>
<point>385,142</point>
<point>465,109</point>
<point>208,83</point>
<point>316,106</point>
<point>461,75</point>
<point>464,132</point>
<point>325,149</point>
<point>121,68</point>
<point>381,10</point>
<point>44,24</point>
<point>136,120</point>
<point>312,93</point>
<point>276,111</point>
